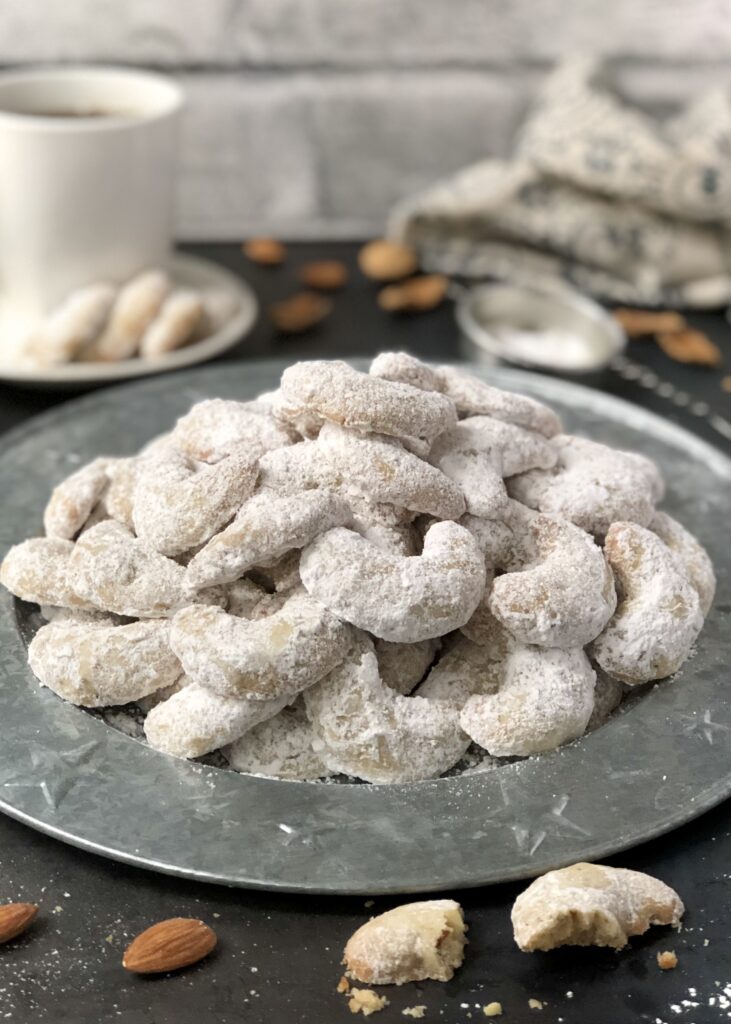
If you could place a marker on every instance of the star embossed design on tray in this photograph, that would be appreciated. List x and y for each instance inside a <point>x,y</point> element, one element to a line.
<point>530,832</point>
<point>54,773</point>
<point>703,725</point>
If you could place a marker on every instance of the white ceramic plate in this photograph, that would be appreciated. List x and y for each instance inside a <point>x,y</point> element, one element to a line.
<point>188,272</point>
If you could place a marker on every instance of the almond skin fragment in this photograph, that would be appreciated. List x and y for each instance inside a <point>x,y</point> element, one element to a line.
<point>266,251</point>
<point>324,275</point>
<point>14,919</point>
<point>299,312</point>
<point>382,260</point>
<point>417,295</point>
<point>169,945</point>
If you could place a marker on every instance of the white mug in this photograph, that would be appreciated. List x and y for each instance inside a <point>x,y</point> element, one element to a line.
<point>87,168</point>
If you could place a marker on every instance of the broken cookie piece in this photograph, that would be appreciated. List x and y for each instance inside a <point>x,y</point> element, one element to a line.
<point>591,905</point>
<point>409,943</point>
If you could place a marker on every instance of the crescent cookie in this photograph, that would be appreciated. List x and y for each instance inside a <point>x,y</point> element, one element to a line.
<point>265,529</point>
<point>658,615</point>
<point>261,659</point>
<point>365,729</point>
<point>95,665</point>
<point>37,570</point>
<point>215,427</point>
<point>471,396</point>
<point>558,590</point>
<point>179,504</point>
<point>403,599</point>
<point>592,485</point>
<point>280,748</point>
<point>342,395</point>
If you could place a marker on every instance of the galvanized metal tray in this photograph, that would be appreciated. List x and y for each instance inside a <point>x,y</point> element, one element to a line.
<point>660,762</point>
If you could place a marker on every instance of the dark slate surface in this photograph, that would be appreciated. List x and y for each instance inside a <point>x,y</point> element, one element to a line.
<point>278,956</point>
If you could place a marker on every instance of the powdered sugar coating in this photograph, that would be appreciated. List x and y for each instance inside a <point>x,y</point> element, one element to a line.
<point>276,656</point>
<point>119,495</point>
<point>213,428</point>
<point>73,500</point>
<point>266,528</point>
<point>375,469</point>
<point>179,318</point>
<point>474,397</point>
<point>96,665</point>
<point>247,600</point>
<point>545,699</point>
<point>467,668</point>
<point>135,307</point>
<point>405,369</point>
<point>479,451</point>
<point>691,556</point>
<point>115,571</point>
<point>403,666</point>
<point>365,729</point>
<point>398,538</point>
<point>395,598</point>
<point>381,470</point>
<point>409,943</point>
<point>658,614</point>
<point>71,326</point>
<point>471,396</point>
<point>280,748</point>
<point>195,720</point>
<point>494,537</point>
<point>179,504</point>
<point>344,396</point>
<point>38,570</point>
<point>591,905</point>
<point>558,591</point>
<point>592,485</point>
<point>281,577</point>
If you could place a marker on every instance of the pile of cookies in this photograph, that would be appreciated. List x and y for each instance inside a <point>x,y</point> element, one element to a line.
<point>147,317</point>
<point>362,573</point>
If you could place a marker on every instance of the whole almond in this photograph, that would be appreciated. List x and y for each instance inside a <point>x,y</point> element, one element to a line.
<point>690,347</point>
<point>169,945</point>
<point>299,312</point>
<point>640,323</point>
<point>325,275</point>
<point>266,251</point>
<point>383,260</point>
<point>15,918</point>
<point>416,295</point>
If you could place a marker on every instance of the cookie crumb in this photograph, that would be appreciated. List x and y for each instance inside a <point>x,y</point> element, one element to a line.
<point>343,985</point>
<point>535,1004</point>
<point>417,1012</point>
<point>667,960</point>
<point>493,1009</point>
<point>366,1001</point>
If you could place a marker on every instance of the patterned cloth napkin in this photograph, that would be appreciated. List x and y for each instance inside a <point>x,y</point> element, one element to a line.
<point>627,207</point>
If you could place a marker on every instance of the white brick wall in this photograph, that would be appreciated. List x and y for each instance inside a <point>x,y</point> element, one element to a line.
<point>313,116</point>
